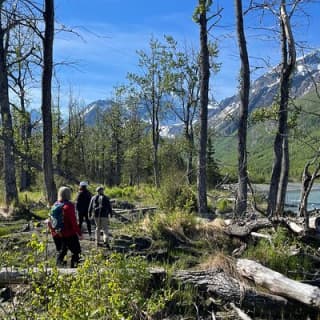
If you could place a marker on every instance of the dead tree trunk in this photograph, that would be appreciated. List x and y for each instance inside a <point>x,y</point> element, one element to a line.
<point>307,183</point>
<point>242,196</point>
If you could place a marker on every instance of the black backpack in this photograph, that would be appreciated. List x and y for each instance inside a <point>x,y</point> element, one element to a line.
<point>97,205</point>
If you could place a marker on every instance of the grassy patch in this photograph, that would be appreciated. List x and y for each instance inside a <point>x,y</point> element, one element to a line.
<point>8,229</point>
<point>278,254</point>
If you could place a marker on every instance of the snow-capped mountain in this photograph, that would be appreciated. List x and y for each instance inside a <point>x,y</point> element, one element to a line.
<point>168,119</point>
<point>265,89</point>
<point>93,110</point>
<point>223,116</point>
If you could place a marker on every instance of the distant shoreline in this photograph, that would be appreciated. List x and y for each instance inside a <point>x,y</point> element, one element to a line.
<point>292,186</point>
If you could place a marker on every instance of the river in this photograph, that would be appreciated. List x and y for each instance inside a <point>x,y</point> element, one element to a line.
<point>293,196</point>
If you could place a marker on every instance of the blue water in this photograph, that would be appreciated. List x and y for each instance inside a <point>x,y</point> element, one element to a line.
<point>293,199</point>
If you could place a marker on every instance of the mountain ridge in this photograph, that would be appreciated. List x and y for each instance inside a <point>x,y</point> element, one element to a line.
<point>222,116</point>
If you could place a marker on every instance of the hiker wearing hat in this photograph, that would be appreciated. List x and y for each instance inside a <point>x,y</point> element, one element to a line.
<point>82,205</point>
<point>100,210</point>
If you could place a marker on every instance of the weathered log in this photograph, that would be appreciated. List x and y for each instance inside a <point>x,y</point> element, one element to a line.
<point>261,235</point>
<point>244,230</point>
<point>294,227</point>
<point>225,289</point>
<point>10,276</point>
<point>278,284</point>
<point>242,315</point>
<point>297,227</point>
<point>18,276</point>
<point>314,223</point>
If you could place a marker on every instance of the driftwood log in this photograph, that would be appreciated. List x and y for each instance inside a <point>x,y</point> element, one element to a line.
<point>296,226</point>
<point>278,284</point>
<point>224,289</point>
<point>244,229</point>
<point>10,276</point>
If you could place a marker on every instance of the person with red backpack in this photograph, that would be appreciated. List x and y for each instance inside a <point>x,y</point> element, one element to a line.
<point>66,234</point>
<point>82,206</point>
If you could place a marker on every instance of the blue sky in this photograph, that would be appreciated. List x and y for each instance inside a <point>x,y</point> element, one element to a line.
<point>112,30</point>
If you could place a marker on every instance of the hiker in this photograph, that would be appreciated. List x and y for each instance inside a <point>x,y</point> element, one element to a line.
<point>100,210</point>
<point>66,238</point>
<point>82,205</point>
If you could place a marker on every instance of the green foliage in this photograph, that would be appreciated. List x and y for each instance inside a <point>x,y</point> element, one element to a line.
<point>181,223</point>
<point>303,141</point>
<point>5,230</point>
<point>224,205</point>
<point>202,7</point>
<point>275,254</point>
<point>176,195</point>
<point>115,288</point>
<point>128,193</point>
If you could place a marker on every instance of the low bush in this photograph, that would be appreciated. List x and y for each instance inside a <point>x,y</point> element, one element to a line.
<point>275,254</point>
<point>174,195</point>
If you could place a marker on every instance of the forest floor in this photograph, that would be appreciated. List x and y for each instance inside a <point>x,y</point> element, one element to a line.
<point>188,242</point>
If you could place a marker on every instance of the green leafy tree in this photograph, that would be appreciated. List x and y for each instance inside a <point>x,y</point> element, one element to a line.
<point>151,85</point>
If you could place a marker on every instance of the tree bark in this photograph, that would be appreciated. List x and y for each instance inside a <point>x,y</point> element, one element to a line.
<point>46,101</point>
<point>280,170</point>
<point>204,90</point>
<point>241,201</point>
<point>307,183</point>
<point>11,192</point>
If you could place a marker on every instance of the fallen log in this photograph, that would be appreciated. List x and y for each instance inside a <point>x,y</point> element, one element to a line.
<point>242,315</point>
<point>225,289</point>
<point>261,235</point>
<point>244,229</point>
<point>9,276</point>
<point>278,284</point>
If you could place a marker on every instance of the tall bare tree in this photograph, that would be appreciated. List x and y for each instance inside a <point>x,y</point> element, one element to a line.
<point>202,18</point>
<point>280,170</point>
<point>46,102</point>
<point>11,192</point>
<point>241,202</point>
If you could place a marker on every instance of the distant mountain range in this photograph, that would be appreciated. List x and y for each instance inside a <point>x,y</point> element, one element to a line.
<point>264,90</point>
<point>222,116</point>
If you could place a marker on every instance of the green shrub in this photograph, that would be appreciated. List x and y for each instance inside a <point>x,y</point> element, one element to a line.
<point>174,195</point>
<point>113,289</point>
<point>224,205</point>
<point>180,223</point>
<point>275,254</point>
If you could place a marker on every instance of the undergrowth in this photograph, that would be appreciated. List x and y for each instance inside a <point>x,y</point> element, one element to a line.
<point>279,254</point>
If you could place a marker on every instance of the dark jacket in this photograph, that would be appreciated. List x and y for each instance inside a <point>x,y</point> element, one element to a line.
<point>83,201</point>
<point>100,206</point>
